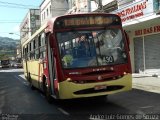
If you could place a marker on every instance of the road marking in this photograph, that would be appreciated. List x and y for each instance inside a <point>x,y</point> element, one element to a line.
<point>26,83</point>
<point>63,111</point>
<point>11,70</point>
<point>22,81</point>
<point>146,107</point>
<point>22,76</point>
<point>18,78</point>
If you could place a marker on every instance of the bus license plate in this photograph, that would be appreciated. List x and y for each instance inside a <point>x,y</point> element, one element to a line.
<point>100,87</point>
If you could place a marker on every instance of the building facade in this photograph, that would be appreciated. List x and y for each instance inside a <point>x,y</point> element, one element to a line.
<point>52,8</point>
<point>30,24</point>
<point>79,6</point>
<point>141,21</point>
<point>84,6</point>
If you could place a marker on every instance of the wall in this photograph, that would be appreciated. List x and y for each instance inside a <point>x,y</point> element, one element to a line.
<point>44,7</point>
<point>131,36</point>
<point>52,8</point>
<point>24,28</point>
<point>30,24</point>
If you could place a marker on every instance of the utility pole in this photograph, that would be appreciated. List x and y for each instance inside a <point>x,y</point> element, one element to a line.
<point>100,6</point>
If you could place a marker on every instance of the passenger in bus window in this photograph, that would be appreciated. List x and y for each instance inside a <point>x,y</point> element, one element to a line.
<point>63,52</point>
<point>83,46</point>
<point>67,59</point>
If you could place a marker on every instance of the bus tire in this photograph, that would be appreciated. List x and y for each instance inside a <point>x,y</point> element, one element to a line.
<point>30,82</point>
<point>47,92</point>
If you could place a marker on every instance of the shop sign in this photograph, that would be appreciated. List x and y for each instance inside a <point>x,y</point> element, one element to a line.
<point>135,10</point>
<point>153,29</point>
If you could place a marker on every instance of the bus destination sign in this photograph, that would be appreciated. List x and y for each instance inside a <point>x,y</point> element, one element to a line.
<point>87,21</point>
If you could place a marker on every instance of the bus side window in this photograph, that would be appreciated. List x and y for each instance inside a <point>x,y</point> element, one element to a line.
<point>23,52</point>
<point>36,48</point>
<point>39,41</point>
<point>28,52</point>
<point>42,47</point>
<point>32,50</point>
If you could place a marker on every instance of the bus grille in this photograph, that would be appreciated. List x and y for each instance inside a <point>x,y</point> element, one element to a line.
<point>95,81</point>
<point>92,90</point>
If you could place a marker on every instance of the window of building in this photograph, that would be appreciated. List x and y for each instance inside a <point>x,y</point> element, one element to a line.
<point>44,15</point>
<point>37,17</point>
<point>29,47</point>
<point>50,9</point>
<point>43,39</point>
<point>34,44</point>
<point>47,12</point>
<point>39,40</point>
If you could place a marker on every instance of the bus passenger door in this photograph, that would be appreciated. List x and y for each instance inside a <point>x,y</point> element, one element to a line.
<point>51,65</point>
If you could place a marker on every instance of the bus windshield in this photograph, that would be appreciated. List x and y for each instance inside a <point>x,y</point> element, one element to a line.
<point>79,49</point>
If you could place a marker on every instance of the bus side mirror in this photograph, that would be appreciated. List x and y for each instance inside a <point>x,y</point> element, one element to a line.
<point>127,39</point>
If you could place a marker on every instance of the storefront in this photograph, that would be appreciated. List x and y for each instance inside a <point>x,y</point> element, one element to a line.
<point>146,43</point>
<point>141,22</point>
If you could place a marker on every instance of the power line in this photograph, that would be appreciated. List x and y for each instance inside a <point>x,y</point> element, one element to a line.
<point>7,6</point>
<point>10,22</point>
<point>17,4</point>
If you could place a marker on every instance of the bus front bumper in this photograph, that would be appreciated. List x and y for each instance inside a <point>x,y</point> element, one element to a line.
<point>69,90</point>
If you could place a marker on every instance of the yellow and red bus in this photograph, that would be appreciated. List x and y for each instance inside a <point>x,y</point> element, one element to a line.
<point>79,55</point>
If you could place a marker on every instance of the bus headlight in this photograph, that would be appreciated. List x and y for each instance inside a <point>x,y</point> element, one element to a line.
<point>111,68</point>
<point>124,55</point>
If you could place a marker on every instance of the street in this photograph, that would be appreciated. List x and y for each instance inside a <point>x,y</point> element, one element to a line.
<point>18,101</point>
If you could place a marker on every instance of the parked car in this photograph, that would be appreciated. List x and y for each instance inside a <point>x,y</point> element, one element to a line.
<point>12,64</point>
<point>18,65</point>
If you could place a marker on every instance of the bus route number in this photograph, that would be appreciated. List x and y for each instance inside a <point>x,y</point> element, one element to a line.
<point>109,59</point>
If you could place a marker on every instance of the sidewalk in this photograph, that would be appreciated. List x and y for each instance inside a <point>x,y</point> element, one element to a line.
<point>146,82</point>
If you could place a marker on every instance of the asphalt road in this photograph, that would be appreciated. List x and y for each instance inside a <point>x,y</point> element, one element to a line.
<point>18,101</point>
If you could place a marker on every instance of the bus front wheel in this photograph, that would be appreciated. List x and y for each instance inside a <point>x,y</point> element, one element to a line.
<point>47,92</point>
<point>30,82</point>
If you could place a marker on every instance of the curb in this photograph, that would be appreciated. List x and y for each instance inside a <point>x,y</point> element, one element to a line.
<point>144,75</point>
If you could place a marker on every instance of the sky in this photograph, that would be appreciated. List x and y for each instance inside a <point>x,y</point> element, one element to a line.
<point>12,13</point>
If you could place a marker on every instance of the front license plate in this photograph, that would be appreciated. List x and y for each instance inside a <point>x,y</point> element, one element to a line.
<point>100,87</point>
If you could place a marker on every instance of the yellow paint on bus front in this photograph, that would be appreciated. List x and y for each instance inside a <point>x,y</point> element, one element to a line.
<point>67,89</point>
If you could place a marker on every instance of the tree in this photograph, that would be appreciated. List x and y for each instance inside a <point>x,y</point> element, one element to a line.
<point>3,57</point>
